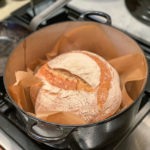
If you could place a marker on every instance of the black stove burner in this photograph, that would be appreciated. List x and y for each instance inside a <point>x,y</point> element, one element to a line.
<point>140,9</point>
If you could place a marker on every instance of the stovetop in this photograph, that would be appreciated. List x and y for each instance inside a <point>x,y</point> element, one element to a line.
<point>12,135</point>
<point>131,16</point>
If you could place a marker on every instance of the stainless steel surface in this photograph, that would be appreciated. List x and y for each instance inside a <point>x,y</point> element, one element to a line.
<point>140,138</point>
<point>7,142</point>
<point>120,15</point>
<point>48,12</point>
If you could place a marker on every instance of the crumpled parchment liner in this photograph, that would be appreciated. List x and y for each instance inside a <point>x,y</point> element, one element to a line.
<point>20,91</point>
<point>130,64</point>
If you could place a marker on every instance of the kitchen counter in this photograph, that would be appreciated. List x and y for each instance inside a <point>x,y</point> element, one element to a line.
<point>11,5</point>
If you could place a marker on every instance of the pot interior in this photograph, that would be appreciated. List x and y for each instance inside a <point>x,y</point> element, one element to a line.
<point>41,42</point>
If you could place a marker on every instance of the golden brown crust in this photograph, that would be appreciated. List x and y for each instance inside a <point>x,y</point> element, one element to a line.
<point>63,87</point>
<point>64,79</point>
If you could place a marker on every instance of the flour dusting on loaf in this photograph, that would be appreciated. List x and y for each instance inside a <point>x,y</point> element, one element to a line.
<point>79,82</point>
<point>80,65</point>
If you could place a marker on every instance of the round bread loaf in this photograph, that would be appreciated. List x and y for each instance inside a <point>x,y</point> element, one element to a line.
<point>78,82</point>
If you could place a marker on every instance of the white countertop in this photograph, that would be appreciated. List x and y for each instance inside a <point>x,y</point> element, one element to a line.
<point>121,17</point>
<point>11,6</point>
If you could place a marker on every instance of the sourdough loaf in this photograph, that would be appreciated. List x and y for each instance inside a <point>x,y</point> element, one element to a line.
<point>78,82</point>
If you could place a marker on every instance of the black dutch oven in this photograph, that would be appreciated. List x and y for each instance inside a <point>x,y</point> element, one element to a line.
<point>90,136</point>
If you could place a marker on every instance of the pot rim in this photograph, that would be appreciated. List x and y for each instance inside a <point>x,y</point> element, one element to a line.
<point>83,125</point>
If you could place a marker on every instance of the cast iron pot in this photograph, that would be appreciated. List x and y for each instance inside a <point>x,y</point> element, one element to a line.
<point>90,136</point>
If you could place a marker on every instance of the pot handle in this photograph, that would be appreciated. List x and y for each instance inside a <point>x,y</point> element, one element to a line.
<point>86,16</point>
<point>63,132</point>
<point>31,122</point>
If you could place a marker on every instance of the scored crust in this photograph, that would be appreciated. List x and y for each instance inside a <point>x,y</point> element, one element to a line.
<point>78,82</point>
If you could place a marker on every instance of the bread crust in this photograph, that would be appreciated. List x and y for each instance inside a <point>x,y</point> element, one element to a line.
<point>81,83</point>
